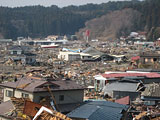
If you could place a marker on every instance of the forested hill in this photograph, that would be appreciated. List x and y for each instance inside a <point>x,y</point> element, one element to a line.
<point>141,16</point>
<point>39,21</point>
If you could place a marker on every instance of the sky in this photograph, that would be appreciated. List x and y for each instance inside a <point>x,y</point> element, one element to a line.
<point>59,3</point>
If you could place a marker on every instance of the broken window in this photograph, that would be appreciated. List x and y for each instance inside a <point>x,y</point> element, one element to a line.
<point>9,93</point>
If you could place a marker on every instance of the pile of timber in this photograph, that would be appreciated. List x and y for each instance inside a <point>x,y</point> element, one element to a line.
<point>19,103</point>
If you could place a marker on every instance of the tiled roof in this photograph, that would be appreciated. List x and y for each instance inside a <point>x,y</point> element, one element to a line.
<point>99,110</point>
<point>30,84</point>
<point>120,75</point>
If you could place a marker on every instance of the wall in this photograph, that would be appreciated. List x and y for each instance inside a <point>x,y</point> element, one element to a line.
<point>73,57</point>
<point>151,80</point>
<point>69,56</point>
<point>17,94</point>
<point>5,98</point>
<point>30,59</point>
<point>74,96</point>
<point>121,94</point>
<point>99,84</point>
<point>149,60</point>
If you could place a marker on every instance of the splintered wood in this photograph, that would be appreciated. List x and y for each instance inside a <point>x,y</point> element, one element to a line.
<point>55,116</point>
<point>19,103</point>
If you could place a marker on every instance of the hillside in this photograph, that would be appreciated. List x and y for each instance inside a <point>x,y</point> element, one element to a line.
<point>142,16</point>
<point>39,21</point>
<point>107,20</point>
<point>112,25</point>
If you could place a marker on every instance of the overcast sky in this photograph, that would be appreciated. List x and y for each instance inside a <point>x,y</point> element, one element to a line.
<point>60,3</point>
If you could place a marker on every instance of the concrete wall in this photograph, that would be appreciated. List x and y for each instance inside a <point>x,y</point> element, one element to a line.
<point>121,94</point>
<point>74,96</point>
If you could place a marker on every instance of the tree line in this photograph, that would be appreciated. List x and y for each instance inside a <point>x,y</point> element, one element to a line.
<point>39,21</point>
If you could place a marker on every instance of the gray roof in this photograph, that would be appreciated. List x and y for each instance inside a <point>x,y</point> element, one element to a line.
<point>92,51</point>
<point>38,85</point>
<point>119,86</point>
<point>5,40</point>
<point>99,110</point>
<point>19,48</point>
<point>6,107</point>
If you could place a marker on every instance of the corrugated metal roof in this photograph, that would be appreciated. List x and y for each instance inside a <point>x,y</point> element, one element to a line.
<point>99,110</point>
<point>119,75</point>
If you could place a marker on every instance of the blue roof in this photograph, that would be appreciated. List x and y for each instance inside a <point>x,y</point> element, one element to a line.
<point>99,110</point>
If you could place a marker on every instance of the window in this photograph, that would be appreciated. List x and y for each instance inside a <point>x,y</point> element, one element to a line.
<point>9,93</point>
<point>61,98</point>
<point>24,95</point>
<point>14,52</point>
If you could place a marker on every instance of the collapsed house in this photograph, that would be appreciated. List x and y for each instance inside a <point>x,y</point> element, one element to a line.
<point>149,58</point>
<point>24,109</point>
<point>22,54</point>
<point>89,54</point>
<point>151,95</point>
<point>146,78</point>
<point>96,55</point>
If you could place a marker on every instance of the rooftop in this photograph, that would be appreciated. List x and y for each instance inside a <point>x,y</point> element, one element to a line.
<point>120,75</point>
<point>120,86</point>
<point>33,84</point>
<point>99,110</point>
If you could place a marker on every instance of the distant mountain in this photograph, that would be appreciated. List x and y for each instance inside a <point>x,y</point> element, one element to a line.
<point>107,20</point>
<point>140,16</point>
<point>39,21</point>
<point>112,25</point>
